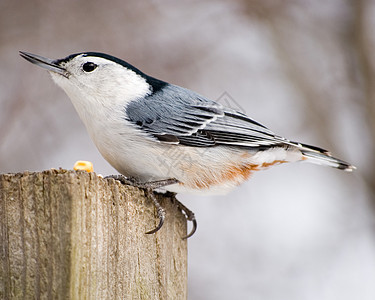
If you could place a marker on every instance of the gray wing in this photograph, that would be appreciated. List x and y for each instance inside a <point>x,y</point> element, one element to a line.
<point>180,116</point>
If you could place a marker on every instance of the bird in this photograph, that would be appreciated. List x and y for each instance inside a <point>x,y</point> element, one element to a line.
<point>175,139</point>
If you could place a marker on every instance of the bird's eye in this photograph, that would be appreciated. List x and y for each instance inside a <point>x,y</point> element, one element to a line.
<point>89,67</point>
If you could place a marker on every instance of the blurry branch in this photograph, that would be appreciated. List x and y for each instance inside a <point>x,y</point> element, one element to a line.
<point>315,118</point>
<point>283,23</point>
<point>361,40</point>
<point>278,18</point>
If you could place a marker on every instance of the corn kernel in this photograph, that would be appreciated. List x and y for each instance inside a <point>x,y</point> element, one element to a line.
<point>83,165</point>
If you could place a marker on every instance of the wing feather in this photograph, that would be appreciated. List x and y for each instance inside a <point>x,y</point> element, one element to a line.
<point>191,120</point>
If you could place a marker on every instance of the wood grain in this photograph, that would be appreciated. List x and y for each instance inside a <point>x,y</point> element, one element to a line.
<point>74,235</point>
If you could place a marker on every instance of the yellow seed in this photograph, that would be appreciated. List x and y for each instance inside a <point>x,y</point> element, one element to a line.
<point>83,165</point>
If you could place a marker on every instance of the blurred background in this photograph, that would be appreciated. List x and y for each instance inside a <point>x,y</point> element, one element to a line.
<point>303,68</point>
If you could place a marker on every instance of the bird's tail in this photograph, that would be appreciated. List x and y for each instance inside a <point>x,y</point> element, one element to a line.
<point>320,156</point>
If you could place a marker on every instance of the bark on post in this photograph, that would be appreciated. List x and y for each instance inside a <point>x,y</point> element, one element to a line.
<point>73,235</point>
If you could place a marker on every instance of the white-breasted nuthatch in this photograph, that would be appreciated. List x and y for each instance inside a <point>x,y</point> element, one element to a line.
<point>151,130</point>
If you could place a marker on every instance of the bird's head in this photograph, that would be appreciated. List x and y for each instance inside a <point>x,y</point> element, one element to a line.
<point>91,78</point>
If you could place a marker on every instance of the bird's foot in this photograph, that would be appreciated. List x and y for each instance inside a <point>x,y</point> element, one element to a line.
<point>150,187</point>
<point>143,185</point>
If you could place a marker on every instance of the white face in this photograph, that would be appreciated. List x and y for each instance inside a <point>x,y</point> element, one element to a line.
<point>95,81</point>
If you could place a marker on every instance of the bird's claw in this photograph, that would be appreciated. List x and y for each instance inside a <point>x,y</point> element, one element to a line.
<point>160,211</point>
<point>192,231</point>
<point>190,216</point>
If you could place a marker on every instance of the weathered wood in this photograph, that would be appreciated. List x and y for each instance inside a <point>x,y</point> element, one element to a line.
<point>73,235</point>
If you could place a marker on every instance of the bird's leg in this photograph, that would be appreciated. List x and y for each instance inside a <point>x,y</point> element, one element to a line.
<point>149,187</point>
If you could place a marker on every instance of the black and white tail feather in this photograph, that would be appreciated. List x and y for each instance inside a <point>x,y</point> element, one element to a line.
<point>323,157</point>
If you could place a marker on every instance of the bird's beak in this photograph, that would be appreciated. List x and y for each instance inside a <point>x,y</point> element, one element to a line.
<point>46,63</point>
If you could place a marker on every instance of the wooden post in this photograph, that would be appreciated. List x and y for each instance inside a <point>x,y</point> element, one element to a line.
<point>73,235</point>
